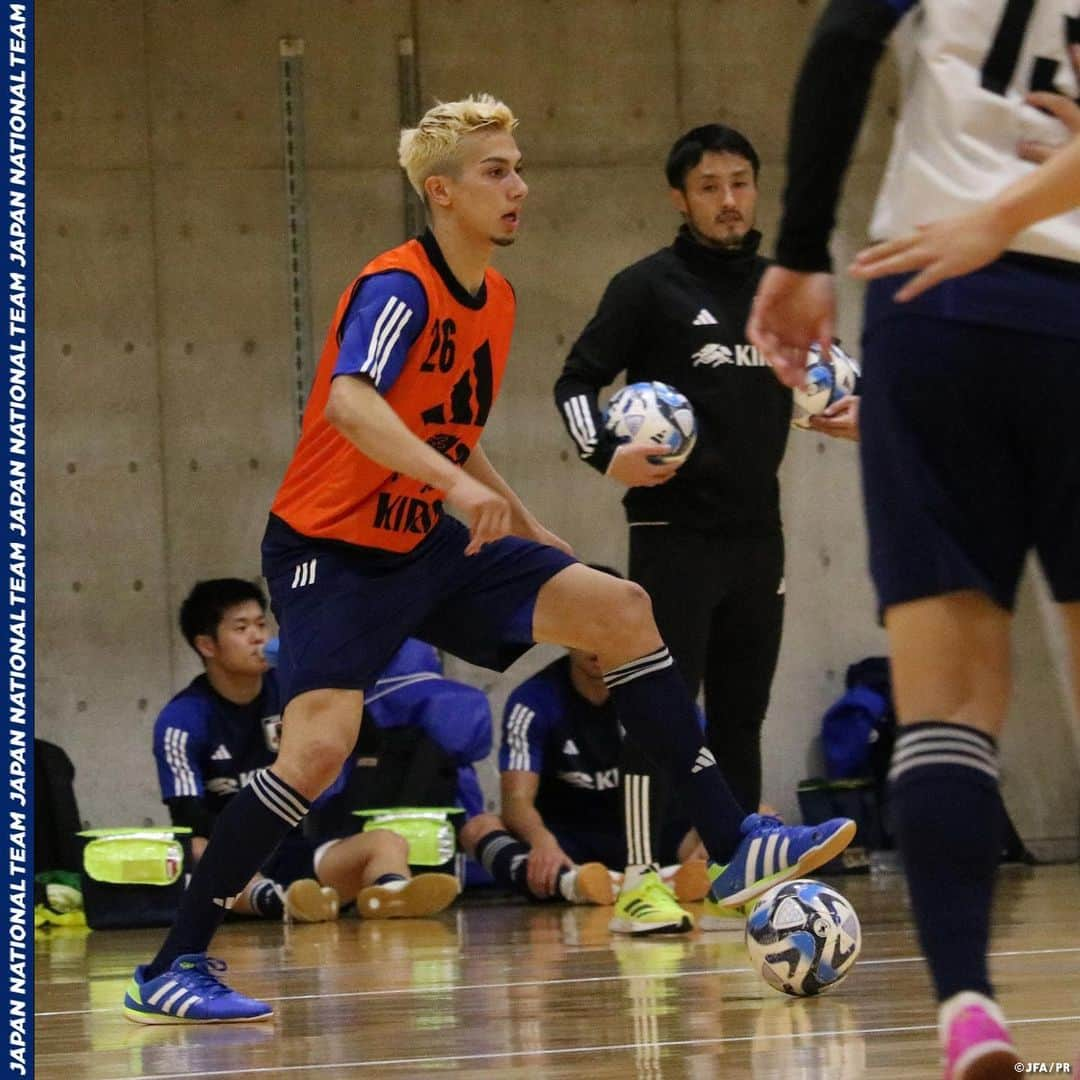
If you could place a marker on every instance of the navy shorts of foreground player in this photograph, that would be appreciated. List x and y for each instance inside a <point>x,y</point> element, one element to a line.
<point>345,610</point>
<point>965,420</point>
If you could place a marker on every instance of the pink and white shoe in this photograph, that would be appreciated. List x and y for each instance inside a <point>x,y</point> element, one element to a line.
<point>975,1041</point>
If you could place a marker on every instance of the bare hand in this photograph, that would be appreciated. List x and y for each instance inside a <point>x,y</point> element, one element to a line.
<point>1065,109</point>
<point>792,310</point>
<point>944,249</point>
<point>840,419</point>
<point>543,869</point>
<point>631,466</point>
<point>958,245</point>
<point>486,512</point>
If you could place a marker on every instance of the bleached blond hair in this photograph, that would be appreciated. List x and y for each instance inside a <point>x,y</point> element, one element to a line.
<point>434,145</point>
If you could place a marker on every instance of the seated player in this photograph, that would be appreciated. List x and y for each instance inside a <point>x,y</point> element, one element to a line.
<point>561,791</point>
<point>213,735</point>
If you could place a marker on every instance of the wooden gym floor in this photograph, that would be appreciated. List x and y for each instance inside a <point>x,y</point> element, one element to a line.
<point>517,990</point>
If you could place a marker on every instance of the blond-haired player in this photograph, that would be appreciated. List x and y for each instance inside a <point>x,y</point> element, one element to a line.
<point>359,553</point>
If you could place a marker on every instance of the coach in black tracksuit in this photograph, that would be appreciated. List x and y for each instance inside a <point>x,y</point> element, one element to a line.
<point>705,536</point>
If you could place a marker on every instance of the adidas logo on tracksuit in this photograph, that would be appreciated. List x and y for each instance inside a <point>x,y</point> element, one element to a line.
<point>704,760</point>
<point>704,318</point>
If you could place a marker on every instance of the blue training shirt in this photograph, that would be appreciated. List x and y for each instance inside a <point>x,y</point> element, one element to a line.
<point>206,747</point>
<point>384,319</point>
<point>550,729</point>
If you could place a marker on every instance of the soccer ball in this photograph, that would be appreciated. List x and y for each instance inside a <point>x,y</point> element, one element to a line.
<point>826,381</point>
<point>653,413</point>
<point>803,937</point>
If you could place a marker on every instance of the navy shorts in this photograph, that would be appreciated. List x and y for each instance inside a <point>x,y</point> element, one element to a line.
<point>970,456</point>
<point>344,611</point>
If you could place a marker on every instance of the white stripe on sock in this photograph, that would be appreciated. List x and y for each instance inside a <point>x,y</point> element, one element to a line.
<point>630,665</point>
<point>969,735</point>
<point>907,750</point>
<point>623,679</point>
<point>270,800</point>
<point>285,794</point>
<point>941,759</point>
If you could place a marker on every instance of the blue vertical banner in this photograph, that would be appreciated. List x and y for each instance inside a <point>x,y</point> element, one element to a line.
<point>17,588</point>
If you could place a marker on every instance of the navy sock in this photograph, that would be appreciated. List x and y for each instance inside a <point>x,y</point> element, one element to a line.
<point>265,899</point>
<point>655,708</point>
<point>245,835</point>
<point>946,815</point>
<point>385,879</point>
<point>506,859</point>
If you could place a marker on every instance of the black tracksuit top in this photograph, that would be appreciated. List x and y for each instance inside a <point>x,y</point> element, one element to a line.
<point>679,317</point>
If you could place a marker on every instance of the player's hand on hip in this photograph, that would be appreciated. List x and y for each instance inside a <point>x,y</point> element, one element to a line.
<point>1065,109</point>
<point>840,419</point>
<point>543,869</point>
<point>487,513</point>
<point>941,250</point>
<point>631,465</point>
<point>792,310</point>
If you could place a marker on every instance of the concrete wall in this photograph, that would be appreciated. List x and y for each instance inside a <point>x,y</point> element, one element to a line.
<point>164,371</point>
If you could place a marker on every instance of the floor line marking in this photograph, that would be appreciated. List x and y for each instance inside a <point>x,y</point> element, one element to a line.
<point>445,988</point>
<point>556,1051</point>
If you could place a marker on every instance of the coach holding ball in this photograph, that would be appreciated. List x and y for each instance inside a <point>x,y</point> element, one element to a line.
<point>705,535</point>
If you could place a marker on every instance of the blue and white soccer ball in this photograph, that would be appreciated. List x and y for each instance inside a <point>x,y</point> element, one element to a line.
<point>803,937</point>
<point>653,413</point>
<point>827,381</point>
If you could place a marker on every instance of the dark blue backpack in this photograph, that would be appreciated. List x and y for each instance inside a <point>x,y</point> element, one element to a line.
<point>858,730</point>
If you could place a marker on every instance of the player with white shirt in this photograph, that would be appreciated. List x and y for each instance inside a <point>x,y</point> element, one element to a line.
<point>969,448</point>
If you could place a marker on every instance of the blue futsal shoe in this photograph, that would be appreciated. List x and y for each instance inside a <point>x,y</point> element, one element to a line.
<point>189,993</point>
<point>771,852</point>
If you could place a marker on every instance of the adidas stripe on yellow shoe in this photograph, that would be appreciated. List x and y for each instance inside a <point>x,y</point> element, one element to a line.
<point>425,894</point>
<point>649,907</point>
